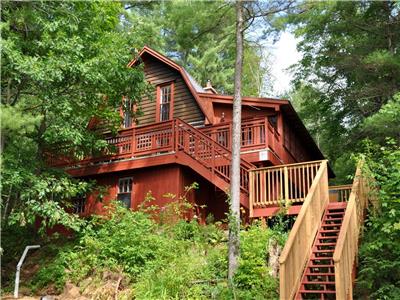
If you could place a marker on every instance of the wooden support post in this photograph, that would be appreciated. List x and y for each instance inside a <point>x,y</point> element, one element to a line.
<point>133,143</point>
<point>286,179</point>
<point>264,223</point>
<point>251,193</point>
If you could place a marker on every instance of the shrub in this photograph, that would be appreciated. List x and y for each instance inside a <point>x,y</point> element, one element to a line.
<point>379,256</point>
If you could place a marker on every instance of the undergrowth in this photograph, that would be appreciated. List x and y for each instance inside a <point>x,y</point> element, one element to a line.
<point>180,259</point>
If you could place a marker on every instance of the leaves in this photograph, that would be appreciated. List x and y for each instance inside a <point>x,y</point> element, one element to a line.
<point>62,64</point>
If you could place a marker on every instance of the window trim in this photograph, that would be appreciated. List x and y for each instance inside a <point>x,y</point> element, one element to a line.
<point>122,112</point>
<point>79,205</point>
<point>171,102</point>
<point>131,189</point>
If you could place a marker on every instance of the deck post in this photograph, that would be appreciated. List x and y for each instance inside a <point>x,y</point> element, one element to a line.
<point>286,179</point>
<point>251,193</point>
<point>133,142</point>
<point>266,132</point>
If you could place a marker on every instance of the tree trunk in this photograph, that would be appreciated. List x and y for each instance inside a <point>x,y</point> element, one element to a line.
<point>234,220</point>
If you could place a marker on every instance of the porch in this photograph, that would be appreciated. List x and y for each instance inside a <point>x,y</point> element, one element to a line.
<point>261,142</point>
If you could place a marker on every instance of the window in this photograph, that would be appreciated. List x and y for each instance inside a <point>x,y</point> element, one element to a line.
<point>127,107</point>
<point>165,102</point>
<point>125,191</point>
<point>79,205</point>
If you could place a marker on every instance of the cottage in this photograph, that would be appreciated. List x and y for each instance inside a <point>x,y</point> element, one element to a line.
<point>183,135</point>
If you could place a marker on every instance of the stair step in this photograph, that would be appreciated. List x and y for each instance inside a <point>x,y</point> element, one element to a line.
<point>323,251</point>
<point>329,230</point>
<point>324,244</point>
<point>331,225</point>
<point>319,282</point>
<point>331,219</point>
<point>320,266</point>
<point>322,256</point>
<point>317,292</point>
<point>340,214</point>
<point>337,205</point>
<point>319,274</point>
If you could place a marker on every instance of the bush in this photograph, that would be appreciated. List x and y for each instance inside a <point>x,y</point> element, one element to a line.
<point>379,256</point>
<point>182,260</point>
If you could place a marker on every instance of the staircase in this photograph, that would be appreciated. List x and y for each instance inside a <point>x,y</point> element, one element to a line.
<point>319,257</point>
<point>318,280</point>
<point>209,158</point>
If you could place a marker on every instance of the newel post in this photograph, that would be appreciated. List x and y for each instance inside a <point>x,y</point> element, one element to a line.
<point>286,178</point>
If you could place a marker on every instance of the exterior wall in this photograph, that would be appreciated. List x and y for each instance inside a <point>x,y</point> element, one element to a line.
<point>208,199</point>
<point>293,143</point>
<point>185,106</point>
<point>160,181</point>
<point>247,112</point>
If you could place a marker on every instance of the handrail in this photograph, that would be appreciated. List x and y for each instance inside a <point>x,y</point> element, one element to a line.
<point>169,136</point>
<point>209,153</point>
<point>347,243</point>
<point>298,247</point>
<point>284,183</point>
<point>257,133</point>
<point>339,193</point>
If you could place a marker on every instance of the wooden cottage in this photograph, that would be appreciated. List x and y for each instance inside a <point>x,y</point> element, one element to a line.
<point>184,136</point>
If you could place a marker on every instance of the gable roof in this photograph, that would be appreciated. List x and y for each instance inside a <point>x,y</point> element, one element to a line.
<point>205,101</point>
<point>191,83</point>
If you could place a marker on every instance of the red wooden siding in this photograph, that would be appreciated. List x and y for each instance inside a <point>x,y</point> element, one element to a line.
<point>185,106</point>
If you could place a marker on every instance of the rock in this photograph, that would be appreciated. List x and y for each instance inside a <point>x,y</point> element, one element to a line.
<point>71,291</point>
<point>274,251</point>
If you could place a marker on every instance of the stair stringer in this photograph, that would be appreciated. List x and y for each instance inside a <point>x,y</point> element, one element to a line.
<point>188,161</point>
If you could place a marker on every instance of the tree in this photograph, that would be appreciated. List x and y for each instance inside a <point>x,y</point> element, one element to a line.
<point>351,59</point>
<point>200,36</point>
<point>62,64</point>
<point>234,223</point>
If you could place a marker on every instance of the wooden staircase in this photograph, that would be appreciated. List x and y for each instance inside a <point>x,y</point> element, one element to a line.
<point>318,280</point>
<point>209,158</point>
<point>319,257</point>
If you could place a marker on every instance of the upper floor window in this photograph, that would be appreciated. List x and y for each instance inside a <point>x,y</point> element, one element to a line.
<point>165,102</point>
<point>127,107</point>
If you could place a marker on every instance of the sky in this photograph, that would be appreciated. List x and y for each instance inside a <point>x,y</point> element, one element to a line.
<point>284,54</point>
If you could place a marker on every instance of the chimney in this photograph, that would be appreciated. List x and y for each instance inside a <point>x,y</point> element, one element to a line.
<point>209,88</point>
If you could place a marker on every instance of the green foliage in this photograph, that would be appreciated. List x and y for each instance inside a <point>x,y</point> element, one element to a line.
<point>379,275</point>
<point>200,35</point>
<point>252,277</point>
<point>347,79</point>
<point>62,64</point>
<point>184,260</point>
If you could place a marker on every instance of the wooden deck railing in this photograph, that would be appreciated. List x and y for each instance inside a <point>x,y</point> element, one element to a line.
<point>339,193</point>
<point>298,247</point>
<point>347,243</point>
<point>281,184</point>
<point>257,133</point>
<point>167,137</point>
<point>209,153</point>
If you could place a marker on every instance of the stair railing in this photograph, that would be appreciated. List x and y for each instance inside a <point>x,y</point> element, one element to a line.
<point>298,248</point>
<point>209,153</point>
<point>289,183</point>
<point>347,243</point>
